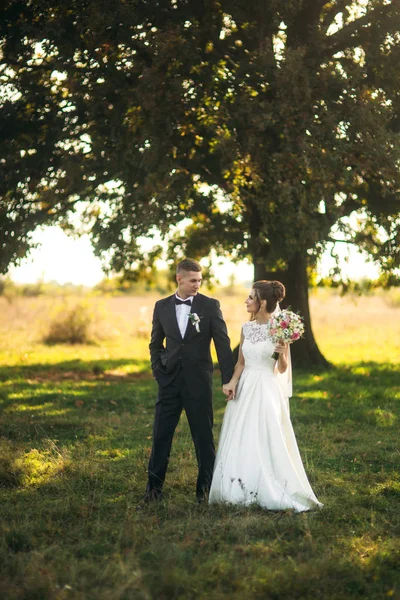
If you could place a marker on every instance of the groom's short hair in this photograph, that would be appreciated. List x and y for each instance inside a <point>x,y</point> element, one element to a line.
<point>188,264</point>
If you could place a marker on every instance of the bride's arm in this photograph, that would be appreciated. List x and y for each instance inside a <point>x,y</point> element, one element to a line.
<point>229,388</point>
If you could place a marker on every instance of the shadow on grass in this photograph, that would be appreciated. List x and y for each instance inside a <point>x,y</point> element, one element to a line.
<point>68,398</point>
<point>346,391</point>
<point>75,438</point>
<point>74,369</point>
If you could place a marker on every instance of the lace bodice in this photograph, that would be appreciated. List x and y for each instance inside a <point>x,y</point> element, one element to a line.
<point>257,346</point>
<point>254,332</point>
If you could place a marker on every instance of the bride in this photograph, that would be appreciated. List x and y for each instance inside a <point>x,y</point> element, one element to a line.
<point>258,460</point>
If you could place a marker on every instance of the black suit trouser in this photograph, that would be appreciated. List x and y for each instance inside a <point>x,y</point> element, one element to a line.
<point>197,403</point>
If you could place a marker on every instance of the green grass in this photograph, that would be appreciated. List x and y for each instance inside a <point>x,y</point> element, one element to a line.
<point>75,438</point>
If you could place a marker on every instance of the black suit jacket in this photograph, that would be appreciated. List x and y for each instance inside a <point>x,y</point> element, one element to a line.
<point>169,352</point>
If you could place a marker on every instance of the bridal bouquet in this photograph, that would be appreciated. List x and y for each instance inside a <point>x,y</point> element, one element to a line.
<point>286,326</point>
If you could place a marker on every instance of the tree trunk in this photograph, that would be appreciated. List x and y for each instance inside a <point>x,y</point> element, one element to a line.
<point>305,351</point>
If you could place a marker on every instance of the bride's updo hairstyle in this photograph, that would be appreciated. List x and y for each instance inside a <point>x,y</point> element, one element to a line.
<point>271,291</point>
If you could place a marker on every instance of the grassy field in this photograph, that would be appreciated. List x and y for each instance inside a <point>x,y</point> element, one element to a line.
<point>75,436</point>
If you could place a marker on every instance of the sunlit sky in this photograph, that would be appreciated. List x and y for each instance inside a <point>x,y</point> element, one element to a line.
<point>68,260</point>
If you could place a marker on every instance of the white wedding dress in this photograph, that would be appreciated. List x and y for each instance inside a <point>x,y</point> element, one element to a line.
<point>258,461</point>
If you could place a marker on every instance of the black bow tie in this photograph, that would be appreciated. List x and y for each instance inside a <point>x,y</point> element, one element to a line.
<point>187,302</point>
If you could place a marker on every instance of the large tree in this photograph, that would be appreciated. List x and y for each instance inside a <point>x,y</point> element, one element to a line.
<point>270,124</point>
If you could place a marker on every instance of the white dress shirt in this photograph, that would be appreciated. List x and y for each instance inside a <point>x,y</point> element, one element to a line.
<point>182,314</point>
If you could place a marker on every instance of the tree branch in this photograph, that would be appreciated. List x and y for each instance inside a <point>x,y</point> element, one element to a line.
<point>305,24</point>
<point>351,35</point>
<point>331,239</point>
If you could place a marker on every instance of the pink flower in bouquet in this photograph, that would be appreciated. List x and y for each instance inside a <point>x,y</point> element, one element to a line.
<point>295,336</point>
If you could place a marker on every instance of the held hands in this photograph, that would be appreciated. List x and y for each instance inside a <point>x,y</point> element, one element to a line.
<point>229,390</point>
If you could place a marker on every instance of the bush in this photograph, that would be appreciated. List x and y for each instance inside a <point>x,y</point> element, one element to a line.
<point>72,326</point>
<point>392,297</point>
<point>8,289</point>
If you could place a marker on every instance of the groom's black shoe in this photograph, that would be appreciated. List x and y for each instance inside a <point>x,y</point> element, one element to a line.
<point>202,498</point>
<point>153,495</point>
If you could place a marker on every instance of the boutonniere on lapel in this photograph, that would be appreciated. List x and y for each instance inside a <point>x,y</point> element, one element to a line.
<point>195,320</point>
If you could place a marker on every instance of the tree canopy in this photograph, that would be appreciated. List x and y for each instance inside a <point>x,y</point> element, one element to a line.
<point>272,125</point>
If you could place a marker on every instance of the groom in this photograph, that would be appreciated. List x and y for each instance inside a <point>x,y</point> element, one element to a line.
<point>183,326</point>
